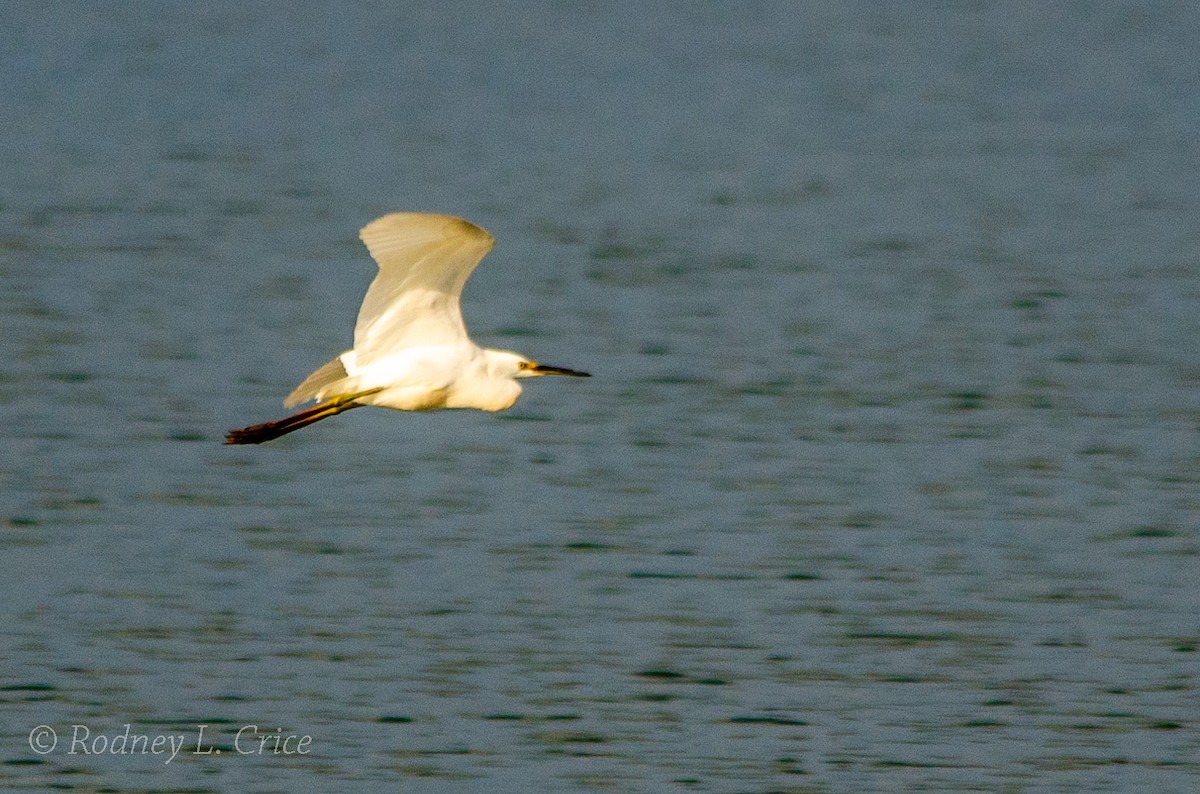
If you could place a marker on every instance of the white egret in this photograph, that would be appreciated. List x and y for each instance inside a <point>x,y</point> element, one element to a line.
<point>411,350</point>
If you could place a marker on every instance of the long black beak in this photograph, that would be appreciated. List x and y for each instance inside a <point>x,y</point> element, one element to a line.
<point>543,369</point>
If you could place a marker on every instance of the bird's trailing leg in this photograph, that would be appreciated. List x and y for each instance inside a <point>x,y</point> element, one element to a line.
<point>257,434</point>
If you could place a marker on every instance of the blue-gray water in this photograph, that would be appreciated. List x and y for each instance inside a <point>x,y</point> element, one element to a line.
<point>886,479</point>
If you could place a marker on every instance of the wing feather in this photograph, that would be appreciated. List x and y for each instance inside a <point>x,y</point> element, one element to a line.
<point>314,384</point>
<point>424,261</point>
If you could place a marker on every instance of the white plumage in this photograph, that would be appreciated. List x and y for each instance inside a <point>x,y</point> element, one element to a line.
<point>411,349</point>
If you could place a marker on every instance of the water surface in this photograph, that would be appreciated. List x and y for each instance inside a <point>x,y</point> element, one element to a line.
<point>886,479</point>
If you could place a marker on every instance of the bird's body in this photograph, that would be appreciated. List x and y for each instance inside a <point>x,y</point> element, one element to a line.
<point>432,377</point>
<point>411,349</point>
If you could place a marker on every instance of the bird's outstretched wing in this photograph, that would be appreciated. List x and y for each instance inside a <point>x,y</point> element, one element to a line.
<point>424,261</point>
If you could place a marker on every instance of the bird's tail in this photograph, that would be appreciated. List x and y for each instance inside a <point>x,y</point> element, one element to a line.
<point>257,434</point>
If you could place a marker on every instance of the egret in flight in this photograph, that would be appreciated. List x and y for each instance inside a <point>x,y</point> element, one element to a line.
<point>411,349</point>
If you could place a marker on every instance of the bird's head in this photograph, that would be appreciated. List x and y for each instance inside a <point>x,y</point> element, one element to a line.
<point>507,364</point>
